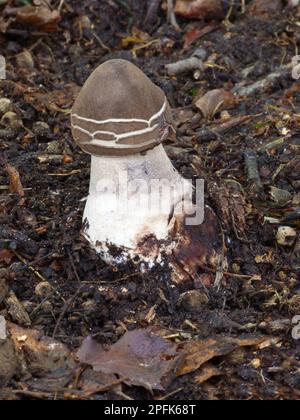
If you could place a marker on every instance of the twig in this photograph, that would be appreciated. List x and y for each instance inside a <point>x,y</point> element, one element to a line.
<point>60,5</point>
<point>166,397</point>
<point>152,12</point>
<point>101,43</point>
<point>184,66</point>
<point>72,298</point>
<point>171,15</point>
<point>64,311</point>
<point>32,269</point>
<point>263,84</point>
<point>243,6</point>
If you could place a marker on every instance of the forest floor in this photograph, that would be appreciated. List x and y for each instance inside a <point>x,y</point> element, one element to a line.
<point>241,341</point>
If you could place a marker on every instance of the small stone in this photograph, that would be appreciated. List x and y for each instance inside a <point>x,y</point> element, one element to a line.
<point>193,300</point>
<point>286,236</point>
<point>5,105</point>
<point>41,129</point>
<point>12,120</point>
<point>236,268</point>
<point>25,60</point>
<point>53,148</point>
<point>43,289</point>
<point>89,306</point>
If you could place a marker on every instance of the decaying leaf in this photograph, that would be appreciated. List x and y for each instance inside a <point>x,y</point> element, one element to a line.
<point>197,33</point>
<point>41,17</point>
<point>200,352</point>
<point>200,9</point>
<point>38,354</point>
<point>15,185</point>
<point>215,101</point>
<point>55,100</point>
<point>141,358</point>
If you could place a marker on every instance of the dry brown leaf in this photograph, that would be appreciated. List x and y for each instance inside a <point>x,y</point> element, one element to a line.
<point>15,185</point>
<point>200,9</point>
<point>214,101</point>
<point>196,33</point>
<point>6,255</point>
<point>55,100</point>
<point>40,354</point>
<point>202,351</point>
<point>141,358</point>
<point>40,17</point>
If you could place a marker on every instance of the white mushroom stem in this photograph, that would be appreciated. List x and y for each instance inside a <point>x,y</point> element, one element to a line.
<point>131,198</point>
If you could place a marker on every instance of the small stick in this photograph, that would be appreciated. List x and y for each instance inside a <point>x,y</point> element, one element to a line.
<point>60,5</point>
<point>64,311</point>
<point>32,269</point>
<point>265,83</point>
<point>171,16</point>
<point>184,66</point>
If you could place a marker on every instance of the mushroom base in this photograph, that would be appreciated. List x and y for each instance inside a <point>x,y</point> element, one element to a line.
<point>131,204</point>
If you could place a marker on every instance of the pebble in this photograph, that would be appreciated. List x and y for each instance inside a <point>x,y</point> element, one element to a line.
<point>286,236</point>
<point>43,289</point>
<point>5,105</point>
<point>25,60</point>
<point>89,306</point>
<point>53,148</point>
<point>193,300</point>
<point>41,129</point>
<point>12,120</point>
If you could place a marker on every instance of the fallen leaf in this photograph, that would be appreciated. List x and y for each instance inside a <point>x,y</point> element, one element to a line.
<point>6,255</point>
<point>141,358</point>
<point>53,101</point>
<point>215,101</point>
<point>41,17</point>
<point>197,33</point>
<point>41,355</point>
<point>200,9</point>
<point>15,185</point>
<point>200,352</point>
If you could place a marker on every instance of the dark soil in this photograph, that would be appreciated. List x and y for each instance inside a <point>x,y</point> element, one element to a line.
<point>262,282</point>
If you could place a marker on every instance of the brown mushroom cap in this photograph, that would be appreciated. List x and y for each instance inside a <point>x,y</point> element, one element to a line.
<point>119,111</point>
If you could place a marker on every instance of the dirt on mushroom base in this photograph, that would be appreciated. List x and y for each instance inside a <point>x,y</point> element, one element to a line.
<point>40,242</point>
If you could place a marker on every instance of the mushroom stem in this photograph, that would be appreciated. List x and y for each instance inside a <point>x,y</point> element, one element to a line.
<point>131,199</point>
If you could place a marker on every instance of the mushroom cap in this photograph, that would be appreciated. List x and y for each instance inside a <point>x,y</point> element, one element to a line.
<point>120,111</point>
